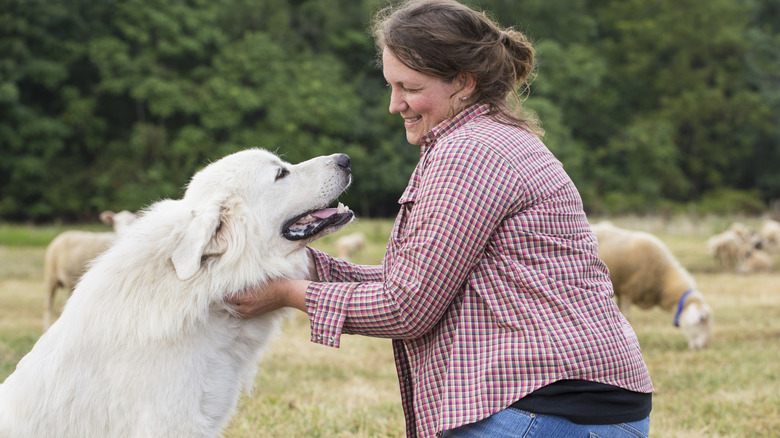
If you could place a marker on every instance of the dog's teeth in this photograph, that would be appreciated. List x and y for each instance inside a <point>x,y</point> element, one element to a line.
<point>306,220</point>
<point>342,208</point>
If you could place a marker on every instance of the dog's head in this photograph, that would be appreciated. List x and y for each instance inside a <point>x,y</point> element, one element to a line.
<point>253,199</point>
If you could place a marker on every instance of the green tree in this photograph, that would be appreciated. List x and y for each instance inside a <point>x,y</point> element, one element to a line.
<point>762,71</point>
<point>682,63</point>
<point>115,104</point>
<point>43,82</point>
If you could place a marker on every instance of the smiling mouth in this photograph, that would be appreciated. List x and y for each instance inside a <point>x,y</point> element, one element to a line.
<point>313,222</point>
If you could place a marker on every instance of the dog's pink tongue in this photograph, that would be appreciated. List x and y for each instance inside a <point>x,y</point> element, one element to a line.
<point>324,213</point>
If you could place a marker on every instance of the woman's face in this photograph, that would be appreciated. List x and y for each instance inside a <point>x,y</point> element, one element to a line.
<point>423,101</point>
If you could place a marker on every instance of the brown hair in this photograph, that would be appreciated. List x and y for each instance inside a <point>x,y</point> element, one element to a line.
<point>444,38</point>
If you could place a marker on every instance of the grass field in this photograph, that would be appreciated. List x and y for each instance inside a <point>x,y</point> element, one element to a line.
<point>731,389</point>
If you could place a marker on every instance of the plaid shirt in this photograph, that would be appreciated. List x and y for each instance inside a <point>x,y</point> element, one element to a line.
<point>491,286</point>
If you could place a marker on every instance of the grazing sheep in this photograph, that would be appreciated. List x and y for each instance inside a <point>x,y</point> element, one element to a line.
<point>743,231</point>
<point>728,248</point>
<point>757,261</point>
<point>750,238</point>
<point>119,221</point>
<point>644,272</point>
<point>347,246</point>
<point>770,235</point>
<point>68,255</point>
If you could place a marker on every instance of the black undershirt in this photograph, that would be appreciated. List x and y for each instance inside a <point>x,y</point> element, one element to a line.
<point>585,402</point>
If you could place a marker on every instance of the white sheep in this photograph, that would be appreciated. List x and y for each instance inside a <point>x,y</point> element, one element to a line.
<point>729,249</point>
<point>120,220</point>
<point>743,231</point>
<point>644,272</point>
<point>348,245</point>
<point>756,261</point>
<point>68,255</point>
<point>770,235</point>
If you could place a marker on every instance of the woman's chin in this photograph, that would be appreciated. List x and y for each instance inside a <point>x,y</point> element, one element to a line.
<point>413,138</point>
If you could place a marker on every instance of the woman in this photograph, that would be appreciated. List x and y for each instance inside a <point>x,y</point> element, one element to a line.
<point>500,311</point>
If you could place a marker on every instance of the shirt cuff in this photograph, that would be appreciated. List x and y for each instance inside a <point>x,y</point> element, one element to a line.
<point>327,307</point>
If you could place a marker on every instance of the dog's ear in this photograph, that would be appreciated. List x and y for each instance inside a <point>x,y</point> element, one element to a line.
<point>196,241</point>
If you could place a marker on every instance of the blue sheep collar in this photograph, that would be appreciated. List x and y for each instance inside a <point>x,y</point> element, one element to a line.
<point>680,306</point>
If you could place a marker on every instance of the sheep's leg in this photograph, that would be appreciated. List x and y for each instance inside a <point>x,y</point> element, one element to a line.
<point>49,306</point>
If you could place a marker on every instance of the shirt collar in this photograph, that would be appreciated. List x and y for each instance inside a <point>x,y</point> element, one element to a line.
<point>451,124</point>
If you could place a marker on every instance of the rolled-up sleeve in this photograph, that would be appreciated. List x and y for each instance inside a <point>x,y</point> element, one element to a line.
<point>326,301</point>
<point>331,269</point>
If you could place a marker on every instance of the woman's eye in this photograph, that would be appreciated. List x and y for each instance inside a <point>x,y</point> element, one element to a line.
<point>405,89</point>
<point>281,173</point>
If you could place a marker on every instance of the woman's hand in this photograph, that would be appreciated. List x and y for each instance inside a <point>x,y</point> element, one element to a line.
<point>272,296</point>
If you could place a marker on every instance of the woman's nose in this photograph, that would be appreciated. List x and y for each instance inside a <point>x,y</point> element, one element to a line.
<point>397,103</point>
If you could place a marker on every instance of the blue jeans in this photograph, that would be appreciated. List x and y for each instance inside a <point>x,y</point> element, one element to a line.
<point>513,422</point>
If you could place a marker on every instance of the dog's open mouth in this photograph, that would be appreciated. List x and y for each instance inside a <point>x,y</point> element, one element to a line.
<point>313,222</point>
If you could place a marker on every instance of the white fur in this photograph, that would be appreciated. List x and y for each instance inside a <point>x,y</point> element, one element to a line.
<point>728,249</point>
<point>645,273</point>
<point>733,247</point>
<point>146,346</point>
<point>68,255</point>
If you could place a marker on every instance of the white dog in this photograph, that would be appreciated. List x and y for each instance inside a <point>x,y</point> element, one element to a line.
<point>146,346</point>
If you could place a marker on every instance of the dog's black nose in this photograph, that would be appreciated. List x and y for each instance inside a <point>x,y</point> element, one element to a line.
<point>343,161</point>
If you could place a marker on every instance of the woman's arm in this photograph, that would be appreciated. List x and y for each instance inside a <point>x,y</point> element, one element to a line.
<point>464,193</point>
<point>331,269</point>
<point>292,293</point>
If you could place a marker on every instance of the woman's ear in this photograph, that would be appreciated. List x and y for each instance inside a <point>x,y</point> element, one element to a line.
<point>467,84</point>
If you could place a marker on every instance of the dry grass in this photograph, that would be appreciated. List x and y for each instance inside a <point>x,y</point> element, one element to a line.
<point>731,389</point>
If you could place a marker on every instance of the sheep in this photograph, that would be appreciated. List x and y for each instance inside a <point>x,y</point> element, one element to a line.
<point>68,255</point>
<point>743,231</point>
<point>119,221</point>
<point>756,261</point>
<point>644,272</point>
<point>348,245</point>
<point>750,238</point>
<point>729,248</point>
<point>770,235</point>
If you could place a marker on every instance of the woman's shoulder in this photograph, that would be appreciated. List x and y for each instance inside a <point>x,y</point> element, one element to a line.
<point>487,132</point>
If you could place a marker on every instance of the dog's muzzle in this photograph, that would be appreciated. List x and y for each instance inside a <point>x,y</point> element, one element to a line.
<point>312,223</point>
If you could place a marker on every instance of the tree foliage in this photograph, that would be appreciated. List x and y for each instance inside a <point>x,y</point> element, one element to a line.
<point>114,104</point>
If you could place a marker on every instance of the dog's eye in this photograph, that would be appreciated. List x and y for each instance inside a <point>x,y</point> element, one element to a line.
<point>281,173</point>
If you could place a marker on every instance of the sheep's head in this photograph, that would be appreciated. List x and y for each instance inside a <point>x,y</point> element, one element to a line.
<point>696,322</point>
<point>121,221</point>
